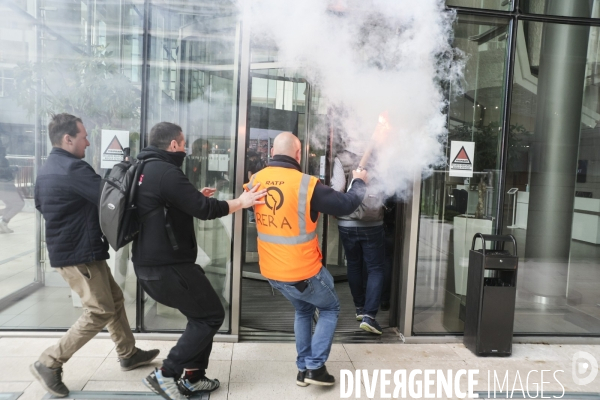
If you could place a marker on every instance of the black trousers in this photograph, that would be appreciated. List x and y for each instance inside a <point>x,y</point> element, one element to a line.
<point>186,288</point>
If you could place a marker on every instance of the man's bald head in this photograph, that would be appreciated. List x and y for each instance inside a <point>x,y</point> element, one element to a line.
<point>286,144</point>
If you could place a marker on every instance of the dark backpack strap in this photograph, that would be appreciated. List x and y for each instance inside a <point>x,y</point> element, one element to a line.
<point>169,228</point>
<point>168,224</point>
<point>136,180</point>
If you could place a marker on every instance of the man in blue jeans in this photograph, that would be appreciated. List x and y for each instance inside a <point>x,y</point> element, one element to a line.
<point>363,237</point>
<point>289,253</point>
<point>313,350</point>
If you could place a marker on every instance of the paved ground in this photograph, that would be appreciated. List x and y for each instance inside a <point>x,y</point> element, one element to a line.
<point>267,370</point>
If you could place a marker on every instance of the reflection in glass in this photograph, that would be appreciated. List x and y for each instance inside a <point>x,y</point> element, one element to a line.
<point>555,210</point>
<point>278,103</point>
<point>504,5</point>
<point>565,8</point>
<point>193,82</point>
<point>453,208</point>
<point>88,67</point>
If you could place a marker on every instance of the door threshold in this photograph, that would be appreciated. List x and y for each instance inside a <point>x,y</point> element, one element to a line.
<point>390,335</point>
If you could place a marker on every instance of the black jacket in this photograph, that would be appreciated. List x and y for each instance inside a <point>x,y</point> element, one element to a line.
<point>164,183</point>
<point>67,192</point>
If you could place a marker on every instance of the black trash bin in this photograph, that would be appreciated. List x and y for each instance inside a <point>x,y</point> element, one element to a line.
<point>491,292</point>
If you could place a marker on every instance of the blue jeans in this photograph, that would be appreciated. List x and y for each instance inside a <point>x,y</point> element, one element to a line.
<point>365,245</point>
<point>313,350</point>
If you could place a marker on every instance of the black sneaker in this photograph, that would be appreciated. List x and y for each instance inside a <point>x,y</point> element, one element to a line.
<point>141,357</point>
<point>370,325</point>
<point>49,378</point>
<point>300,379</point>
<point>359,313</point>
<point>319,377</point>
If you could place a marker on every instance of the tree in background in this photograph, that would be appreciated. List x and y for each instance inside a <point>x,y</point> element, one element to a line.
<point>89,86</point>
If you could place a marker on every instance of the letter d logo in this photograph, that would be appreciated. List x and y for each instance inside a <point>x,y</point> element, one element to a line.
<point>584,364</point>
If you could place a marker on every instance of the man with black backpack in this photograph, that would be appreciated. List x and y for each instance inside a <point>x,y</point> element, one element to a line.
<point>164,258</point>
<point>67,192</point>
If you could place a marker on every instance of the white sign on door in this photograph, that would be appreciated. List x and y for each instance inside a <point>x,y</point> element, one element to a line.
<point>112,144</point>
<point>462,155</point>
<point>322,167</point>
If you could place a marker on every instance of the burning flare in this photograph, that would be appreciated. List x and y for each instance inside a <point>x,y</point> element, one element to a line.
<point>382,128</point>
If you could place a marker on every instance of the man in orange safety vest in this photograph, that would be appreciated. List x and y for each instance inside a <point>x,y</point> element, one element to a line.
<point>289,253</point>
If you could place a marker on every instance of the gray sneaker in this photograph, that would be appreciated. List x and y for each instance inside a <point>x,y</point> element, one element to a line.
<point>49,378</point>
<point>4,227</point>
<point>163,385</point>
<point>141,357</point>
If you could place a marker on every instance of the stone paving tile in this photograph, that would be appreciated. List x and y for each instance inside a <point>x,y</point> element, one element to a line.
<point>14,386</point>
<point>116,386</point>
<point>401,352</point>
<point>279,391</point>
<point>268,370</point>
<point>110,370</point>
<point>260,352</point>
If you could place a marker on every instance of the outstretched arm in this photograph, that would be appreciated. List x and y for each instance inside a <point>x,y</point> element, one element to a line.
<point>248,198</point>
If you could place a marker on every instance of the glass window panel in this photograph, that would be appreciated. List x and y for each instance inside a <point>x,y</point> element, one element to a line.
<point>283,108</point>
<point>193,82</point>
<point>52,69</point>
<point>566,8</point>
<point>504,5</point>
<point>453,209</point>
<point>554,148</point>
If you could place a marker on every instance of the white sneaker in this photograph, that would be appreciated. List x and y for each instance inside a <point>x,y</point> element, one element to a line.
<point>4,227</point>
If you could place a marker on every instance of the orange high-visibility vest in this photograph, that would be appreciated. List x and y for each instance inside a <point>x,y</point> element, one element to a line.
<point>288,247</point>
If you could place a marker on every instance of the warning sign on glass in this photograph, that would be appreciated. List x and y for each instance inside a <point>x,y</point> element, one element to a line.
<point>112,144</point>
<point>461,158</point>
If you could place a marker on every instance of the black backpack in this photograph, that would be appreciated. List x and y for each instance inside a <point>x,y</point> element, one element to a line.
<point>119,218</point>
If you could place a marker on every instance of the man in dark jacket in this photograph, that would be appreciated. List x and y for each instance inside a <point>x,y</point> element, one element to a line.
<point>164,256</point>
<point>363,238</point>
<point>67,193</point>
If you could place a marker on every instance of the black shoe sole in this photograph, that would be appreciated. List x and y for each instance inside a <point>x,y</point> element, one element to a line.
<point>141,363</point>
<point>39,378</point>
<point>319,383</point>
<point>187,392</point>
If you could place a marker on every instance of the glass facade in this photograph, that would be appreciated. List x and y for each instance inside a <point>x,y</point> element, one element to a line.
<point>83,58</point>
<point>503,5</point>
<point>529,102</point>
<point>193,79</point>
<point>571,8</point>
<point>453,209</point>
<point>542,159</point>
<point>86,58</point>
<point>555,212</point>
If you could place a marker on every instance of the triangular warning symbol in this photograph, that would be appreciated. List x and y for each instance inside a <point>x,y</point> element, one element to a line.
<point>114,147</point>
<point>462,157</point>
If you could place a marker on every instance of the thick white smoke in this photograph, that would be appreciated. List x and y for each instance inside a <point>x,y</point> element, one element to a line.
<point>369,56</point>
